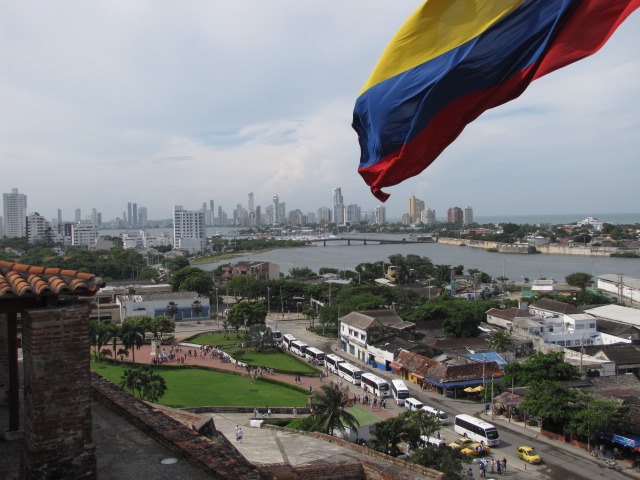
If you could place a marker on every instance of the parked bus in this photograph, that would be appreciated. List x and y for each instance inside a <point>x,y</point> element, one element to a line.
<point>277,337</point>
<point>400,391</point>
<point>350,372</point>
<point>442,416</point>
<point>374,384</point>
<point>287,339</point>
<point>476,429</point>
<point>315,356</point>
<point>332,362</point>
<point>299,348</point>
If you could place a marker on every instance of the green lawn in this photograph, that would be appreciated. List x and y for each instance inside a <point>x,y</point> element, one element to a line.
<point>271,358</point>
<point>190,387</point>
<point>364,416</point>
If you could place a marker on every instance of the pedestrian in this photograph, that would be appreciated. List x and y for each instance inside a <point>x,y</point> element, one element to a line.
<point>493,465</point>
<point>268,412</point>
<point>504,463</point>
<point>470,473</point>
<point>310,388</point>
<point>499,467</point>
<point>255,413</point>
<point>240,435</point>
<point>483,471</point>
<point>237,432</point>
<point>295,412</point>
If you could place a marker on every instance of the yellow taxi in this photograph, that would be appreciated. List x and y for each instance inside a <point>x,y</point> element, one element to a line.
<point>460,443</point>
<point>528,454</point>
<point>476,449</point>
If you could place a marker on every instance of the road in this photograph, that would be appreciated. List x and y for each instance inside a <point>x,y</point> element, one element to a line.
<point>560,461</point>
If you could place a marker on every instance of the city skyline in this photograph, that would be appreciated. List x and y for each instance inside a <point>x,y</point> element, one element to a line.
<point>171,111</point>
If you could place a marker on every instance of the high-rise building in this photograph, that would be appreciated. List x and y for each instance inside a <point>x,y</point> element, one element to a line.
<point>455,215</point>
<point>276,210</point>
<point>336,197</point>
<point>59,225</point>
<point>467,217</point>
<point>83,233</point>
<point>142,216</point>
<point>14,214</point>
<point>78,214</point>
<point>352,213</point>
<point>134,219</point>
<point>381,214</point>
<point>258,221</point>
<point>324,215</point>
<point>188,230</point>
<point>416,208</point>
<point>429,217</point>
<point>14,217</point>
<point>129,215</point>
<point>38,229</point>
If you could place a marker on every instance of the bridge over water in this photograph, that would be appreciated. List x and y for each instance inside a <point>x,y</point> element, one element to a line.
<point>366,240</point>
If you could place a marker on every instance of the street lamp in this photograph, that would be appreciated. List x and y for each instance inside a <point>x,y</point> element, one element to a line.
<point>268,301</point>
<point>217,313</point>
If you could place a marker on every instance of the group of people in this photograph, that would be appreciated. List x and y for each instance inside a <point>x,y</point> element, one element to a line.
<point>497,466</point>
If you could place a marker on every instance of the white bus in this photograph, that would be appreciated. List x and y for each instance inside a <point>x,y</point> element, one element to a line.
<point>442,416</point>
<point>400,391</point>
<point>287,339</point>
<point>349,372</point>
<point>277,337</point>
<point>315,356</point>
<point>476,429</point>
<point>332,362</point>
<point>299,348</point>
<point>374,384</point>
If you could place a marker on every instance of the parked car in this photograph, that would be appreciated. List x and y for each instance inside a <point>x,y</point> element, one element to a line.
<point>528,454</point>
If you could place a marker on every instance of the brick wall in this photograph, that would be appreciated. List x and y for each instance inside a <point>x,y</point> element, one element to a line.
<point>4,360</point>
<point>57,402</point>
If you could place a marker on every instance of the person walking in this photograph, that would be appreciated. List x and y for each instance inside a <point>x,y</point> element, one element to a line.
<point>240,433</point>
<point>504,464</point>
<point>237,431</point>
<point>470,473</point>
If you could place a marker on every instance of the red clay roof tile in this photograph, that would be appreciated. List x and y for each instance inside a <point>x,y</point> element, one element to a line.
<point>19,280</point>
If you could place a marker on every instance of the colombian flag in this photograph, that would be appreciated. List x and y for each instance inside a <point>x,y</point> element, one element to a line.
<point>454,59</point>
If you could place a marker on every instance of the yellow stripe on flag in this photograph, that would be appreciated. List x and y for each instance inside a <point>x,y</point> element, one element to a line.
<point>437,27</point>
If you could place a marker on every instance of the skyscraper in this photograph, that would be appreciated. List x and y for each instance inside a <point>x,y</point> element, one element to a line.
<point>142,216</point>
<point>276,210</point>
<point>454,215</point>
<point>381,214</point>
<point>15,214</point>
<point>78,214</point>
<point>416,208</point>
<point>467,218</point>
<point>129,215</point>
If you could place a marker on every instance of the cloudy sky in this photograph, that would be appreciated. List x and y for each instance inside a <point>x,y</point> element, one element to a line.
<point>162,102</point>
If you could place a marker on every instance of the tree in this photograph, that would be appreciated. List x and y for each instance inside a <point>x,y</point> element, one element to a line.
<point>388,435</point>
<point>500,341</point>
<point>132,335</point>
<point>443,459</point>
<point>98,336</point>
<point>311,313</point>
<point>550,401</point>
<point>114,333</point>
<point>329,410</point>
<point>259,336</point>
<point>172,310</point>
<point>149,385</point>
<point>196,308</point>
<point>540,367</point>
<point>595,416</point>
<point>161,325</point>
<point>301,272</point>
<point>580,279</point>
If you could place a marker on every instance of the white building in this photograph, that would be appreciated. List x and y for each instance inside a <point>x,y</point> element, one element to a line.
<point>381,215</point>
<point>428,216</point>
<point>84,233</point>
<point>467,216</point>
<point>154,304</point>
<point>39,229</point>
<point>14,214</point>
<point>188,230</point>
<point>621,286</point>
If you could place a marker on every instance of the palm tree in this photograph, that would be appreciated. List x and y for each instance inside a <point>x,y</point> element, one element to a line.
<point>98,336</point>
<point>172,310</point>
<point>500,341</point>
<point>132,335</point>
<point>329,413</point>
<point>196,307</point>
<point>114,333</point>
